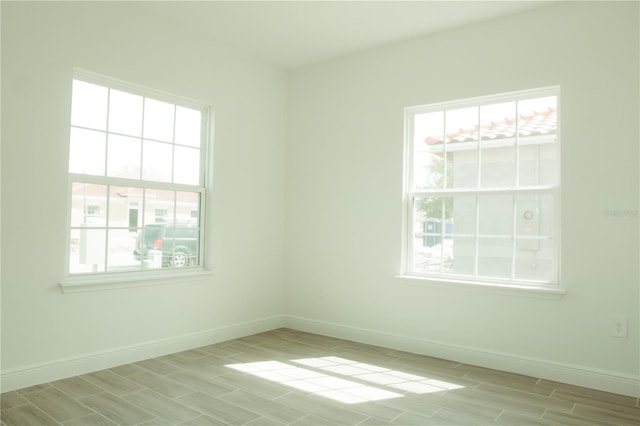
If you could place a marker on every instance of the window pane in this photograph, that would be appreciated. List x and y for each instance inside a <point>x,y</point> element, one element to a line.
<point>123,159</point>
<point>537,117</point>
<point>462,145</point>
<point>122,201</point>
<point>188,207</point>
<point>181,247</point>
<point>464,255</point>
<point>156,161</point>
<point>125,113</point>
<point>158,120</point>
<point>428,170</point>
<point>461,214</point>
<point>498,167</point>
<point>534,263</point>
<point>495,257</point>
<point>87,250</point>
<point>462,168</point>
<point>428,161</point>
<point>188,126</point>
<point>87,152</point>
<point>427,218</point>
<point>159,206</point>
<point>537,136</point>
<point>430,252</point>
<point>88,204</point>
<point>495,215</point>
<point>534,215</point>
<point>462,127</point>
<point>186,167</point>
<point>497,140</point>
<point>89,105</point>
<point>120,254</point>
<point>497,123</point>
<point>537,165</point>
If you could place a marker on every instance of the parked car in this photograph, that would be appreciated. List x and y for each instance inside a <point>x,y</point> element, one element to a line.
<point>178,243</point>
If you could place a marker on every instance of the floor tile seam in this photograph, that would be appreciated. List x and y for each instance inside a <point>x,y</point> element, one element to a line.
<point>15,406</point>
<point>517,409</point>
<point>601,403</point>
<point>78,377</point>
<point>306,396</point>
<point>178,381</point>
<point>271,417</point>
<point>37,408</point>
<point>500,381</point>
<point>85,376</point>
<point>155,372</point>
<point>446,406</point>
<point>606,411</point>
<point>261,414</point>
<point>156,416</point>
<point>87,415</point>
<point>534,395</point>
<point>120,397</point>
<point>525,393</point>
<point>402,413</point>
<point>589,393</point>
<point>35,388</point>
<point>499,415</point>
<point>225,402</point>
<point>157,393</point>
<point>166,396</point>
<point>74,399</point>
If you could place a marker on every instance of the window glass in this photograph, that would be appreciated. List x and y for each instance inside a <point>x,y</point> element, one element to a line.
<point>125,113</point>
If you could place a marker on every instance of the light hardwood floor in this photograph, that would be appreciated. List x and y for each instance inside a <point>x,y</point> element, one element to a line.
<point>286,377</point>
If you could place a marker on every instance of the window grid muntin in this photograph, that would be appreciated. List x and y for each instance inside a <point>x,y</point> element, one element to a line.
<point>412,193</point>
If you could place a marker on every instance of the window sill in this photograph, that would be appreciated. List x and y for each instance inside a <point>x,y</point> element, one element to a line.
<point>510,289</point>
<point>85,283</point>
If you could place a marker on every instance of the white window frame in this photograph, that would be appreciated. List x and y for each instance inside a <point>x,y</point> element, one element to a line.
<point>80,282</point>
<point>409,196</point>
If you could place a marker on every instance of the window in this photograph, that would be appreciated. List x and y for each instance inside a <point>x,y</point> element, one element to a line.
<point>482,189</point>
<point>136,174</point>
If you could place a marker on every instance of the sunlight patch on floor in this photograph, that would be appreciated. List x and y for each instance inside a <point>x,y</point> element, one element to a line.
<point>346,391</point>
<point>378,375</point>
<point>340,389</point>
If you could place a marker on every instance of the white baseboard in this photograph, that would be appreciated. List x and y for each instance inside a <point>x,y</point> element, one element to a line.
<point>608,381</point>
<point>17,378</point>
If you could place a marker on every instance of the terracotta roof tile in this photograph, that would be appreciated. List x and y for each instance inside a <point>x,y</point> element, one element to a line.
<point>535,124</point>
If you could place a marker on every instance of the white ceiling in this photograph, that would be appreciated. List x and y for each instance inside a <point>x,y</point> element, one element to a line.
<point>292,34</point>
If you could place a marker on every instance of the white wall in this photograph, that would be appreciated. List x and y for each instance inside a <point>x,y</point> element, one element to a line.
<point>41,44</point>
<point>343,193</point>
<point>344,187</point>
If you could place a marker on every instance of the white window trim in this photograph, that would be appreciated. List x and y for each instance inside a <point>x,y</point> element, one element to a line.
<point>83,282</point>
<point>554,288</point>
<point>122,280</point>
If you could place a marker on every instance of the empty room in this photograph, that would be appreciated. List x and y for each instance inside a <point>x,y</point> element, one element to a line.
<point>319,213</point>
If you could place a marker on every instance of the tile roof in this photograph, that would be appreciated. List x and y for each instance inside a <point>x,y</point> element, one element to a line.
<point>534,124</point>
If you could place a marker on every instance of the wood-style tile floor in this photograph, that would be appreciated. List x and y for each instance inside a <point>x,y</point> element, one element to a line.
<point>286,377</point>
